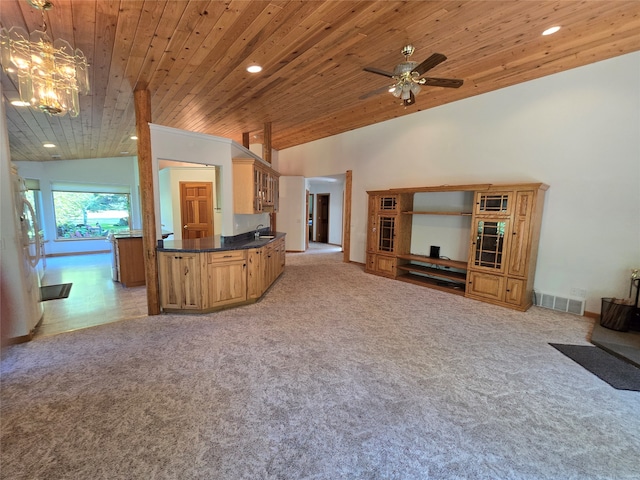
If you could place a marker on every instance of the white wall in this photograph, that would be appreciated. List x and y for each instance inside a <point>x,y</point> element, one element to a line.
<point>291,217</point>
<point>577,131</point>
<point>171,144</point>
<point>106,171</point>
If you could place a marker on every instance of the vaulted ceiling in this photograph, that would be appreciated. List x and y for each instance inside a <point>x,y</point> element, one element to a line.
<point>192,56</point>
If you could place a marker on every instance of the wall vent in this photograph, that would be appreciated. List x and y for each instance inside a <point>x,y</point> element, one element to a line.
<point>561,304</point>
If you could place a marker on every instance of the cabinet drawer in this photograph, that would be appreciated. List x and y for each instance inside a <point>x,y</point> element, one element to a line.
<point>227,256</point>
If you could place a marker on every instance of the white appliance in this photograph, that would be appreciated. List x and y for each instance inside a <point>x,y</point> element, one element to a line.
<point>21,305</point>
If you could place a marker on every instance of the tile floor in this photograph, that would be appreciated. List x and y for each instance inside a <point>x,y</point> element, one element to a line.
<point>94,298</point>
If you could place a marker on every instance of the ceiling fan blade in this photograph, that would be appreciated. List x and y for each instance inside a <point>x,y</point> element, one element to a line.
<point>442,82</point>
<point>378,71</point>
<point>429,63</point>
<point>409,101</point>
<point>374,92</point>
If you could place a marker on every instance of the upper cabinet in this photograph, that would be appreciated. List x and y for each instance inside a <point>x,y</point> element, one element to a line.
<point>255,187</point>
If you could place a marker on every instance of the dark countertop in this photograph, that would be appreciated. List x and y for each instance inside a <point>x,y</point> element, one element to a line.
<point>134,234</point>
<point>218,243</point>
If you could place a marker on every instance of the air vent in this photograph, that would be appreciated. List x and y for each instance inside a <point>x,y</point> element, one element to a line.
<point>561,304</point>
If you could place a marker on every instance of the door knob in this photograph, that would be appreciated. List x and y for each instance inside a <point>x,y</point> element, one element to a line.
<point>185,227</point>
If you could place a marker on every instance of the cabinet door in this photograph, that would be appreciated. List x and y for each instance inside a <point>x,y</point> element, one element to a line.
<point>488,249</point>
<point>180,282</point>
<point>515,291</point>
<point>385,265</point>
<point>386,234</point>
<point>169,275</point>
<point>387,203</point>
<point>191,281</point>
<point>519,248</point>
<point>257,190</point>
<point>485,285</point>
<point>493,203</point>
<point>276,193</point>
<point>372,229</point>
<point>227,283</point>
<point>254,273</point>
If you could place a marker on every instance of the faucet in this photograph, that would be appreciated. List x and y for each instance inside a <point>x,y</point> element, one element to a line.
<point>257,232</point>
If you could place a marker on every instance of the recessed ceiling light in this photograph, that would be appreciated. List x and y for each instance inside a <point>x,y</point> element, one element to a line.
<point>133,137</point>
<point>20,103</point>
<point>551,30</point>
<point>254,68</point>
<point>48,145</point>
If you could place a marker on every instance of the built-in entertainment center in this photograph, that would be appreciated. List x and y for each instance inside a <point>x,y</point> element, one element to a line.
<point>479,240</point>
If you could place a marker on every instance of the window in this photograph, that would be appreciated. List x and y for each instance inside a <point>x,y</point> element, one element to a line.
<point>84,214</point>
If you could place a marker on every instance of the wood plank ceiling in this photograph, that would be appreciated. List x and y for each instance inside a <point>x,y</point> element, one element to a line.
<point>192,55</point>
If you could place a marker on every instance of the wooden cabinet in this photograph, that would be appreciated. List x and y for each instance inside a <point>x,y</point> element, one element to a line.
<point>255,277</point>
<point>504,245</point>
<point>502,252</point>
<point>181,283</point>
<point>255,187</point>
<point>387,232</point>
<point>129,261</point>
<point>226,278</point>
<point>211,280</point>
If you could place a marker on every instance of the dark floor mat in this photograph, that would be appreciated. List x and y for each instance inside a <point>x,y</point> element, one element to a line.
<point>55,292</point>
<point>619,374</point>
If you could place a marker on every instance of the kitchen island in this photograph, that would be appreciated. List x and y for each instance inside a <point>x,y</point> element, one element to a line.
<point>207,274</point>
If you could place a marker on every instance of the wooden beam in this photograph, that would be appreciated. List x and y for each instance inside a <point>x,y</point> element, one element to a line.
<point>346,229</point>
<point>245,139</point>
<point>142,99</point>
<point>266,145</point>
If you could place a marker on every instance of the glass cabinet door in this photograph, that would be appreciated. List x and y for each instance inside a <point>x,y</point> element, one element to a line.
<point>388,203</point>
<point>386,233</point>
<point>489,247</point>
<point>493,203</point>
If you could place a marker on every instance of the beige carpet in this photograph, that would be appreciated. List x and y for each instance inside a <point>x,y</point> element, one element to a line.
<point>335,374</point>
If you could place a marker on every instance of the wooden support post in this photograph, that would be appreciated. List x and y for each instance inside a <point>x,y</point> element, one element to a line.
<point>142,100</point>
<point>266,144</point>
<point>245,139</point>
<point>346,228</point>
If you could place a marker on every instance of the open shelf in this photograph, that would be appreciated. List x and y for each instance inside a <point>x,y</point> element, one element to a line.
<point>463,214</point>
<point>434,261</point>
<point>445,286</point>
<point>435,272</point>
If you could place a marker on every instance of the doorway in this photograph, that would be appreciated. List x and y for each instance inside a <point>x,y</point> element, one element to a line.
<point>322,218</point>
<point>196,209</point>
<point>310,202</point>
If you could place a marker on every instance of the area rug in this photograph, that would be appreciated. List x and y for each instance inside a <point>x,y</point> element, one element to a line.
<point>619,374</point>
<point>55,292</point>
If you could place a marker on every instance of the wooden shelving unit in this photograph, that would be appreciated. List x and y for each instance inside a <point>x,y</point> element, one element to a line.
<point>502,225</point>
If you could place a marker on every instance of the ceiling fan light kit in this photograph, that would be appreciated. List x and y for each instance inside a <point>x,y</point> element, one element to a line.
<point>407,76</point>
<point>50,74</point>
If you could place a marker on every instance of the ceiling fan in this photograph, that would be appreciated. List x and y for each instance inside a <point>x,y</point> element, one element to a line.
<point>407,76</point>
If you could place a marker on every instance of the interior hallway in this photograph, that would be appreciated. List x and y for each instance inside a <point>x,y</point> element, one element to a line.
<point>95,299</point>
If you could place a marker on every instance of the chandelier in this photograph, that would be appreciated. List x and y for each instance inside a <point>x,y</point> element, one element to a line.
<point>50,75</point>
